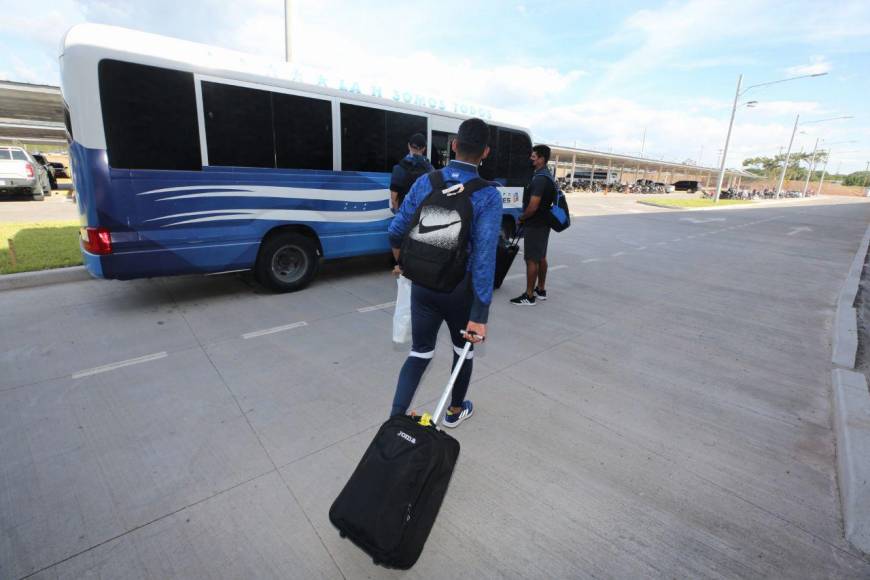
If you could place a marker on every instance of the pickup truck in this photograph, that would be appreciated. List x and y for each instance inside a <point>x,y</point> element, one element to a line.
<point>20,173</point>
<point>48,167</point>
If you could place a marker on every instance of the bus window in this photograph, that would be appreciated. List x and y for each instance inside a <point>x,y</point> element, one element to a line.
<point>303,132</point>
<point>149,116</point>
<point>508,161</point>
<point>440,151</point>
<point>503,155</point>
<point>400,127</point>
<point>375,139</point>
<point>520,167</point>
<point>238,125</point>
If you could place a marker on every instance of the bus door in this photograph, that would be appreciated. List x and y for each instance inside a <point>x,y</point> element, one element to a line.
<point>441,152</point>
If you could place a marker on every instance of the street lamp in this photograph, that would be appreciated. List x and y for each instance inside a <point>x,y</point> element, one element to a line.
<point>737,96</point>
<point>791,142</point>
<point>288,47</point>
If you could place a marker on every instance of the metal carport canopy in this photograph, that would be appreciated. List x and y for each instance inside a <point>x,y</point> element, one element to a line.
<point>568,156</point>
<point>31,113</point>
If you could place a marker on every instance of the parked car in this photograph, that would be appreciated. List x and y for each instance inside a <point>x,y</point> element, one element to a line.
<point>49,169</point>
<point>60,170</point>
<point>20,173</point>
<point>689,186</point>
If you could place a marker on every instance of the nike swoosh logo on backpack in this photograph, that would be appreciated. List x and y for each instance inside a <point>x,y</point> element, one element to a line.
<point>424,229</point>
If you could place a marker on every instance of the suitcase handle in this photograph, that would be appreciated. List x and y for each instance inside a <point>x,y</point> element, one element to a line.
<point>442,403</point>
<point>515,240</point>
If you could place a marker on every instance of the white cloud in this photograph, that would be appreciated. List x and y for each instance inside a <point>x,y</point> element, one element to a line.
<point>817,65</point>
<point>355,40</point>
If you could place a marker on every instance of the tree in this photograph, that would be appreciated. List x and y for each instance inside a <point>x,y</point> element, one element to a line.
<point>857,178</point>
<point>771,167</point>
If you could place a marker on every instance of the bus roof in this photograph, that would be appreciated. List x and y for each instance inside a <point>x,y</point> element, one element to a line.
<point>84,45</point>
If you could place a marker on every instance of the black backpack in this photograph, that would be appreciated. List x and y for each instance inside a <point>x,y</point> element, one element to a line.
<point>413,171</point>
<point>435,249</point>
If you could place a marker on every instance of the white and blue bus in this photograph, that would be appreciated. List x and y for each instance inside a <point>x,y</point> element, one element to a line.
<point>191,159</point>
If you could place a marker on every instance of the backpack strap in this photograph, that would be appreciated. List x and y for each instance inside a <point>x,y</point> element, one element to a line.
<point>437,180</point>
<point>476,184</point>
<point>557,191</point>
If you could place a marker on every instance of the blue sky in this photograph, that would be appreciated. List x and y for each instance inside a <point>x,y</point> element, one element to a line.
<point>593,73</point>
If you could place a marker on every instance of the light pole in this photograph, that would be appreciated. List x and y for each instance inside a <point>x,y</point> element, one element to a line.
<point>811,168</point>
<point>787,155</point>
<point>788,152</point>
<point>737,95</point>
<point>288,18</point>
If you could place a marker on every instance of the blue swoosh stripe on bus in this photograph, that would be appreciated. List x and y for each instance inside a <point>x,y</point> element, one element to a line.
<point>343,182</point>
<point>248,204</point>
<point>265,191</point>
<point>294,215</point>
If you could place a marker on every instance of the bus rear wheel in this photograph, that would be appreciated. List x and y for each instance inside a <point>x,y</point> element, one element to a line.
<point>287,262</point>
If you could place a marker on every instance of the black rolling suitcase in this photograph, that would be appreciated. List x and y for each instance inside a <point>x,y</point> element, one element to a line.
<point>505,253</point>
<point>388,506</point>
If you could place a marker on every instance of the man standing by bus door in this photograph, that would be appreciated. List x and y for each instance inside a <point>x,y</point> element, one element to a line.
<point>537,199</point>
<point>408,170</point>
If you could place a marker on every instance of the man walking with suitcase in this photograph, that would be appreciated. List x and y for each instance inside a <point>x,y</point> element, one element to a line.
<point>537,199</point>
<point>465,306</point>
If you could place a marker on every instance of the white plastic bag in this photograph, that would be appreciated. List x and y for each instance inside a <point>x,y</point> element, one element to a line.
<point>402,315</point>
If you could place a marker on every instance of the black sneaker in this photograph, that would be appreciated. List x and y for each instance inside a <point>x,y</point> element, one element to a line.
<point>542,294</point>
<point>524,300</point>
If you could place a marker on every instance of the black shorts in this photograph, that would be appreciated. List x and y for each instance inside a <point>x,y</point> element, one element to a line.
<point>536,243</point>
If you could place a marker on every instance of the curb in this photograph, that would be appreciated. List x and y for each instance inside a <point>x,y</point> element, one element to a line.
<point>845,341</point>
<point>852,410</point>
<point>43,278</point>
<point>852,426</point>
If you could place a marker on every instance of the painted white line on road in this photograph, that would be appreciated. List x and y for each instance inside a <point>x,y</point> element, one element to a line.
<point>617,254</point>
<point>120,364</point>
<point>273,330</point>
<point>376,307</point>
<point>559,267</point>
<point>642,248</point>
<point>677,240</point>
<point>661,243</point>
<point>588,260</point>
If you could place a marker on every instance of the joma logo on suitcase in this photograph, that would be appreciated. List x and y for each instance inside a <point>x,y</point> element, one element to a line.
<point>407,437</point>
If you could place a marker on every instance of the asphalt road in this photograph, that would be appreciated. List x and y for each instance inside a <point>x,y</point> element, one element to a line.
<point>56,207</point>
<point>666,413</point>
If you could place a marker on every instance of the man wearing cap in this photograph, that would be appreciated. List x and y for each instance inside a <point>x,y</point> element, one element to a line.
<point>408,170</point>
<point>467,306</point>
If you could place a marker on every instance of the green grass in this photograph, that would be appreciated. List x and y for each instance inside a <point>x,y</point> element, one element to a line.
<point>39,246</point>
<point>690,202</point>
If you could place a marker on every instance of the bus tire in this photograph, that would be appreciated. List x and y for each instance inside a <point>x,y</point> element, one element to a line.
<point>287,262</point>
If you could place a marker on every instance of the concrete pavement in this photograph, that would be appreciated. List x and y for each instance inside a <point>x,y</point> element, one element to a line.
<point>667,413</point>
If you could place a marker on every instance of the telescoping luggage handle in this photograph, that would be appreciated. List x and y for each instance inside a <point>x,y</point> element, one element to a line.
<point>515,240</point>
<point>443,402</point>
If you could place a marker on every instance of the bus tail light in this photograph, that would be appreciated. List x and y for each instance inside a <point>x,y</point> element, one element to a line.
<point>28,167</point>
<point>97,240</point>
